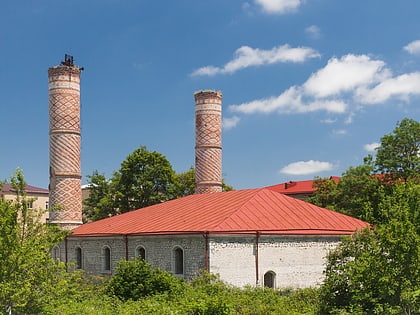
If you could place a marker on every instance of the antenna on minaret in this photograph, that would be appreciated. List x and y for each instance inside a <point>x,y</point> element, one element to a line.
<point>68,61</point>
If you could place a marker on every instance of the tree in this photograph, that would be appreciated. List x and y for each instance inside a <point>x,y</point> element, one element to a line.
<point>398,156</point>
<point>185,183</point>
<point>145,178</point>
<point>377,271</point>
<point>28,274</point>
<point>101,200</point>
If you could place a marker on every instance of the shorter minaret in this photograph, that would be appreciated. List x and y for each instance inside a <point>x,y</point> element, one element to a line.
<point>208,141</point>
<point>65,143</point>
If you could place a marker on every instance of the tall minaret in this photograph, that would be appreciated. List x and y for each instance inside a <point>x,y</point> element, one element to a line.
<point>208,141</point>
<point>65,187</point>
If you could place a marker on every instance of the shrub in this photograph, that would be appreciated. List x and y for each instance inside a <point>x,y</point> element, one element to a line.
<point>137,279</point>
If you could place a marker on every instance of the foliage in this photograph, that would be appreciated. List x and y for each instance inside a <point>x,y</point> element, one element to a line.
<point>28,274</point>
<point>398,155</point>
<point>378,270</point>
<point>358,192</point>
<point>137,279</point>
<point>145,178</point>
<point>101,201</point>
<point>205,295</point>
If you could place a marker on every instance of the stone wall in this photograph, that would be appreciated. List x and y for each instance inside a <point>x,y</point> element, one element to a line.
<point>295,261</point>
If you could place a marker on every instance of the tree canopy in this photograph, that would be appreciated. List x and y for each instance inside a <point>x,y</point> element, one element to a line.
<point>29,277</point>
<point>356,193</point>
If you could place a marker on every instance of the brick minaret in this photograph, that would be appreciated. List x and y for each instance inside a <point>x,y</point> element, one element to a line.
<point>65,172</point>
<point>208,141</point>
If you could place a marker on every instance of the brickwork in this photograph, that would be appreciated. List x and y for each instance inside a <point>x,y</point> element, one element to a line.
<point>239,260</point>
<point>65,144</point>
<point>208,141</point>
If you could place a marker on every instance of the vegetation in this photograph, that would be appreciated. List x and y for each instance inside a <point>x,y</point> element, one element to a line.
<point>29,277</point>
<point>377,271</point>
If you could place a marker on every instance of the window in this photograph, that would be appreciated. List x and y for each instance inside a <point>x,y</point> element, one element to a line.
<point>56,253</point>
<point>141,252</point>
<point>79,258</point>
<point>269,279</point>
<point>178,256</point>
<point>106,251</point>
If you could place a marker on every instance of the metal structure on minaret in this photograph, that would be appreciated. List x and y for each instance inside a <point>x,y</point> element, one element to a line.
<point>208,141</point>
<point>65,188</point>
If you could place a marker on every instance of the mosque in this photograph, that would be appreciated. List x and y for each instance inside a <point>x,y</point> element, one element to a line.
<point>257,237</point>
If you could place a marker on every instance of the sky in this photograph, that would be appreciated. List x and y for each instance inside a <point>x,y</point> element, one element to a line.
<point>309,86</point>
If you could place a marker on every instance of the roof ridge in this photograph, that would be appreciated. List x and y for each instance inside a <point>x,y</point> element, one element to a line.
<point>243,204</point>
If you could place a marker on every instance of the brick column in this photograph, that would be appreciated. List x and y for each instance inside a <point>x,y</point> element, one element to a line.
<point>208,141</point>
<point>65,171</point>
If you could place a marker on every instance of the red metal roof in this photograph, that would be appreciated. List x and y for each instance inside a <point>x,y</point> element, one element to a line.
<point>8,188</point>
<point>298,187</point>
<point>241,211</point>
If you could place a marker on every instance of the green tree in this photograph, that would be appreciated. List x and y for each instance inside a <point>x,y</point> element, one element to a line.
<point>28,274</point>
<point>145,178</point>
<point>377,271</point>
<point>398,156</point>
<point>101,200</point>
<point>185,183</point>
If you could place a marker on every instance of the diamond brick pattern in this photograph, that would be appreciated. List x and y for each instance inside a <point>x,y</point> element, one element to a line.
<point>208,142</point>
<point>65,146</point>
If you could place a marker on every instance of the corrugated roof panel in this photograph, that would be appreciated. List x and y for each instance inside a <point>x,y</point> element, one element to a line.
<point>235,211</point>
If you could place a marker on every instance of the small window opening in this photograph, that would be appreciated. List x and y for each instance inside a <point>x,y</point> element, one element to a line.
<point>179,261</point>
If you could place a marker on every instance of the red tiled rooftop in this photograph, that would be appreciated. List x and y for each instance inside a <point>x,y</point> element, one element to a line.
<point>8,188</point>
<point>242,211</point>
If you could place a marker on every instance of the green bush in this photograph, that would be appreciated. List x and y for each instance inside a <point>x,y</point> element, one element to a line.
<point>137,279</point>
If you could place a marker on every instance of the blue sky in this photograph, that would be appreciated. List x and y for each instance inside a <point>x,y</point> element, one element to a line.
<point>309,86</point>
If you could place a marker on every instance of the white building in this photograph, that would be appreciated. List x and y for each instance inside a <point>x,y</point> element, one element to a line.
<point>249,237</point>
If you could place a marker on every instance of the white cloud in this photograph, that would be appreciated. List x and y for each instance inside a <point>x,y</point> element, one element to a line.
<point>328,121</point>
<point>345,74</point>
<point>231,122</point>
<point>313,31</point>
<point>305,168</point>
<point>290,101</point>
<point>413,47</point>
<point>278,6</point>
<point>246,56</point>
<point>339,132</point>
<point>401,87</point>
<point>370,147</point>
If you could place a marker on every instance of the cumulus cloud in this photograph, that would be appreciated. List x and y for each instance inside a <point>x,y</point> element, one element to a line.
<point>231,122</point>
<point>401,87</point>
<point>345,74</point>
<point>356,80</point>
<point>246,56</point>
<point>313,31</point>
<point>413,47</point>
<point>306,167</point>
<point>291,101</point>
<point>278,6</point>
<point>370,147</point>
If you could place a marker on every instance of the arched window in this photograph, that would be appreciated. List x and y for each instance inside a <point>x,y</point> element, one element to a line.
<point>178,255</point>
<point>79,258</point>
<point>269,279</point>
<point>56,252</point>
<point>106,258</point>
<point>141,252</point>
